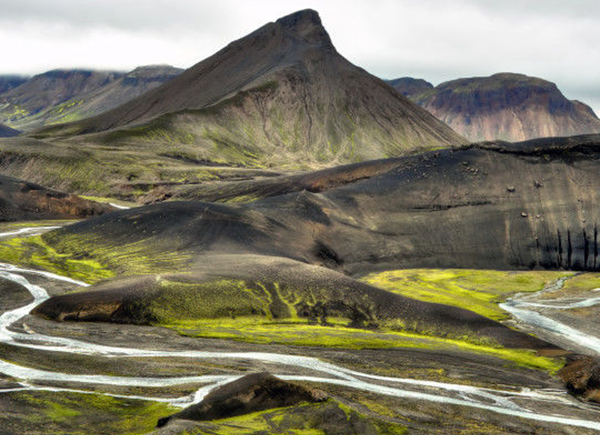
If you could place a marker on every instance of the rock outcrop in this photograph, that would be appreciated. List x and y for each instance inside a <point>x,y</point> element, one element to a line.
<point>251,393</point>
<point>581,375</point>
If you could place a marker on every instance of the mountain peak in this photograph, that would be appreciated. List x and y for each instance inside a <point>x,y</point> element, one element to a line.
<point>307,25</point>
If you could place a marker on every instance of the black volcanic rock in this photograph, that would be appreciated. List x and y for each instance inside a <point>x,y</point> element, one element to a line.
<point>511,206</point>
<point>251,393</point>
<point>507,106</point>
<point>280,96</point>
<point>409,86</point>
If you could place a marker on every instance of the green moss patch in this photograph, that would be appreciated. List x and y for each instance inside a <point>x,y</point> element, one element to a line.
<point>36,253</point>
<point>329,418</point>
<point>476,290</point>
<point>48,413</point>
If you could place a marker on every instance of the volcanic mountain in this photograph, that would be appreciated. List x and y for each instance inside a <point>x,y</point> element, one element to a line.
<point>68,95</point>
<point>504,106</point>
<point>280,96</point>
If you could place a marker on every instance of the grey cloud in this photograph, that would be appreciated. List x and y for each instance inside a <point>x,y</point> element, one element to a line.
<point>437,40</point>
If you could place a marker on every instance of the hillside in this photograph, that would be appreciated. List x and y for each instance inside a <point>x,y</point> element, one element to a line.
<point>24,107</point>
<point>517,196</point>
<point>505,106</point>
<point>67,95</point>
<point>274,257</point>
<point>281,96</point>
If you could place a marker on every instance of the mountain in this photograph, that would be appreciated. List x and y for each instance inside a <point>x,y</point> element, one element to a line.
<point>25,106</point>
<point>8,82</point>
<point>61,96</point>
<point>281,96</point>
<point>511,207</point>
<point>409,86</point>
<point>6,131</point>
<point>504,106</point>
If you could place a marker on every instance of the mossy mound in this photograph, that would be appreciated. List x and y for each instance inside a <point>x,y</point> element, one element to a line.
<point>271,288</point>
<point>261,403</point>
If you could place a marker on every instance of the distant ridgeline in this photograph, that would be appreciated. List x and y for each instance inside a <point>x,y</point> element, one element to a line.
<point>504,106</point>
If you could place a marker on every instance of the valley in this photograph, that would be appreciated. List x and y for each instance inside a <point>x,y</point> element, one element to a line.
<point>276,241</point>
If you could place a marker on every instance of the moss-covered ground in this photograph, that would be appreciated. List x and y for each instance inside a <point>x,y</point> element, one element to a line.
<point>264,316</point>
<point>329,418</point>
<point>51,413</point>
<point>476,290</point>
<point>36,253</point>
<point>301,333</point>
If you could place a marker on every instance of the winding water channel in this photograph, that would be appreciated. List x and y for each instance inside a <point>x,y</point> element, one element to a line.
<point>505,402</point>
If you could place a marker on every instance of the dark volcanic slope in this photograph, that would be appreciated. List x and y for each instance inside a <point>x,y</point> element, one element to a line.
<point>495,205</point>
<point>21,200</point>
<point>492,205</point>
<point>281,95</point>
<point>505,106</point>
<point>22,106</point>
<point>6,131</point>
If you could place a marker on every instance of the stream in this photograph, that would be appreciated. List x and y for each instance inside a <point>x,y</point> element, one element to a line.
<point>505,402</point>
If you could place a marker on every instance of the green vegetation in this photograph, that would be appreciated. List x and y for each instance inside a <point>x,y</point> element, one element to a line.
<point>476,290</point>
<point>339,335</point>
<point>85,414</point>
<point>35,252</point>
<point>328,418</point>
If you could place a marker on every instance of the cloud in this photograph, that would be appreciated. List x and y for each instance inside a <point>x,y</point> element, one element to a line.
<point>434,39</point>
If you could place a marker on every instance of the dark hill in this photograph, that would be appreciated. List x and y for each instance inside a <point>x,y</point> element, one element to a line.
<point>280,96</point>
<point>251,393</point>
<point>21,200</point>
<point>510,206</point>
<point>225,286</point>
<point>524,205</point>
<point>505,106</point>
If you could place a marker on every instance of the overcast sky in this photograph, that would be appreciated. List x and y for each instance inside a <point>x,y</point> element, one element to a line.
<point>433,39</point>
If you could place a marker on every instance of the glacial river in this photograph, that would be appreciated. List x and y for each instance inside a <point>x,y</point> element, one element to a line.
<point>496,400</point>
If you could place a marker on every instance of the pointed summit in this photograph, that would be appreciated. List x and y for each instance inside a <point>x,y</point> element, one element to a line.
<point>307,25</point>
<point>281,96</point>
